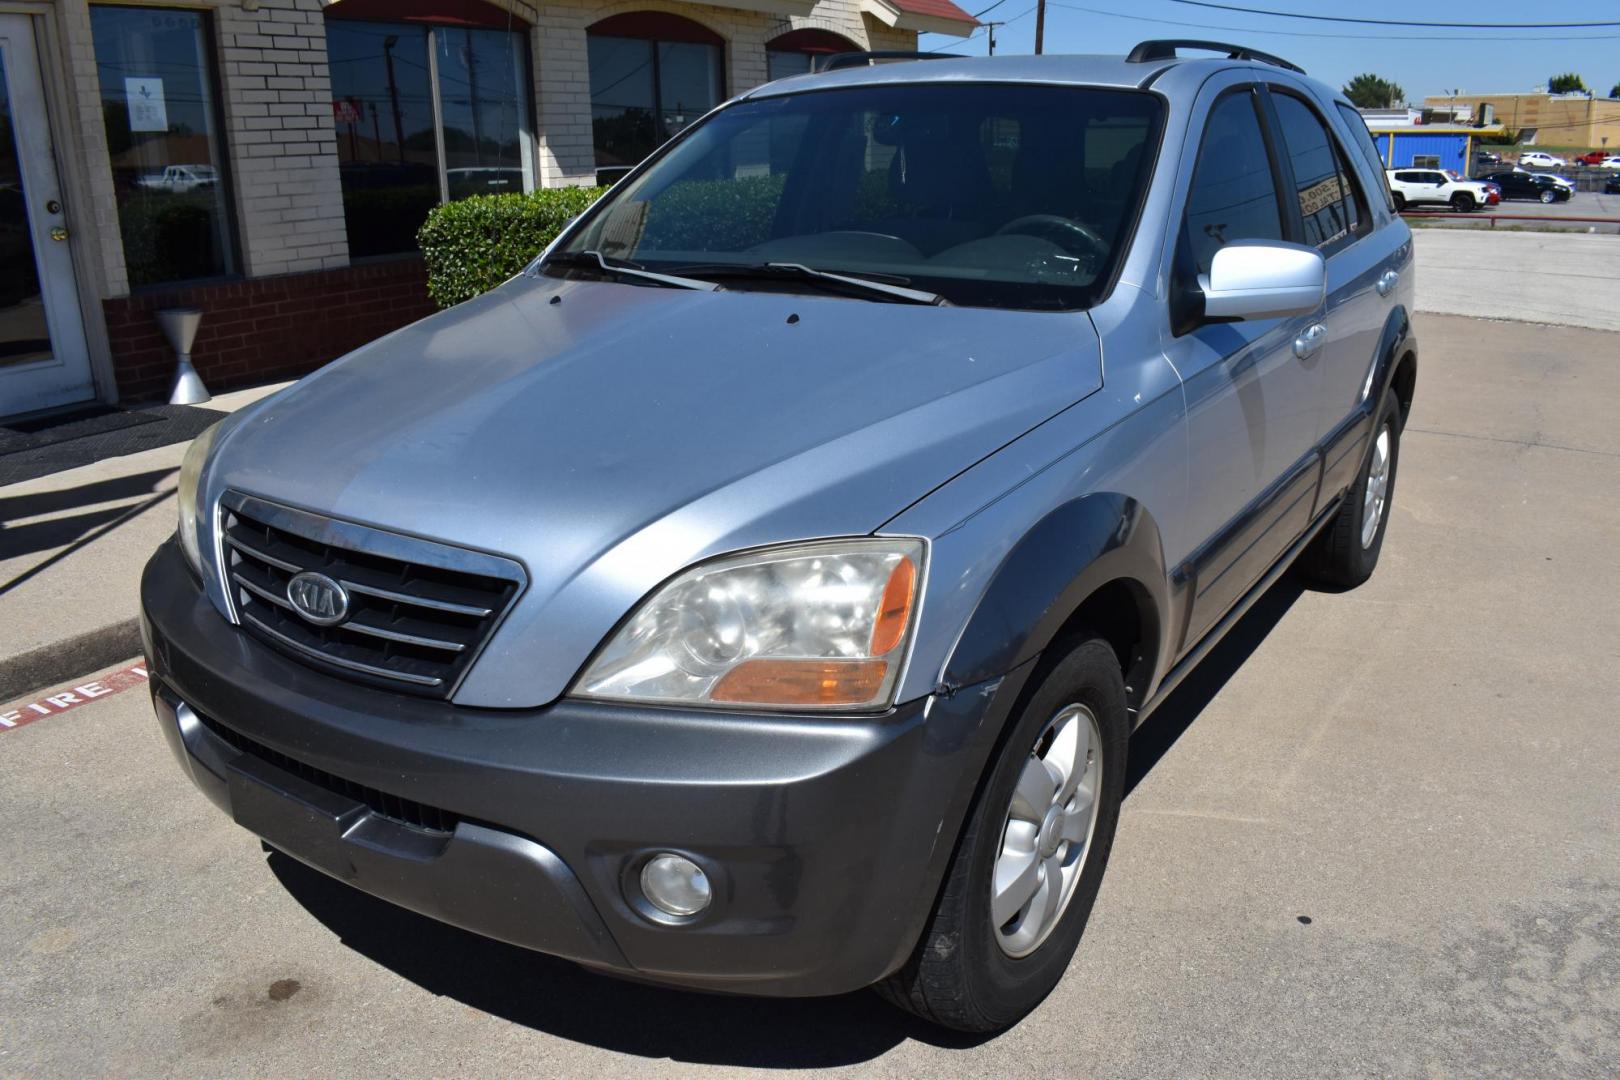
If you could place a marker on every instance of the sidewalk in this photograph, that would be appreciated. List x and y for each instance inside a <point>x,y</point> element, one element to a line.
<point>71,552</point>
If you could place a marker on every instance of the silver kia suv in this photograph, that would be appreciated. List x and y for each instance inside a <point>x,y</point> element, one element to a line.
<point>758,593</point>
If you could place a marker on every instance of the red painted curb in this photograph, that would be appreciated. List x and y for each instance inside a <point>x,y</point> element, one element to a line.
<point>22,713</point>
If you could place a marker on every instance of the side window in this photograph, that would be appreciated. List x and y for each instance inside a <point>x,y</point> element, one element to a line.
<point>1327,201</point>
<point>1233,195</point>
<point>1369,149</point>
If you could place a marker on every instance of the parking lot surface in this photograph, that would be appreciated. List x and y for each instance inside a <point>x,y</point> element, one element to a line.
<point>1374,835</point>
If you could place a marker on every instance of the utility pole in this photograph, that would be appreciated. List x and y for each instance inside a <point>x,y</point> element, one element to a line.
<point>1040,24</point>
<point>393,94</point>
<point>991,27</point>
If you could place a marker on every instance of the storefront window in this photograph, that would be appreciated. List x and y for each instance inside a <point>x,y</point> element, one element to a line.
<point>798,51</point>
<point>652,74</point>
<point>157,101</point>
<point>425,112</point>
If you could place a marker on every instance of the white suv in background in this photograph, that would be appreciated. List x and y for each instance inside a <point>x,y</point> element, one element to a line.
<point>1542,160</point>
<point>1417,187</point>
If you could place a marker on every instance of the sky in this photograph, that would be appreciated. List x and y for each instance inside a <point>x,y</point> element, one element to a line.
<point>1422,61</point>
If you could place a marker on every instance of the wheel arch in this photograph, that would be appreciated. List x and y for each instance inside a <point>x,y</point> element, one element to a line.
<point>1397,355</point>
<point>1095,562</point>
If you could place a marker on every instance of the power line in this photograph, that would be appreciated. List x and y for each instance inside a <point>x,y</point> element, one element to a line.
<point>989,9</point>
<point>1335,34</point>
<point>1398,22</point>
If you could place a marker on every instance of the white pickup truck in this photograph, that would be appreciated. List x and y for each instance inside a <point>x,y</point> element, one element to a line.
<point>179,179</point>
<point>1417,187</point>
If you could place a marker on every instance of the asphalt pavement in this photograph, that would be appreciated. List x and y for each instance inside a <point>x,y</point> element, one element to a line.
<point>1374,835</point>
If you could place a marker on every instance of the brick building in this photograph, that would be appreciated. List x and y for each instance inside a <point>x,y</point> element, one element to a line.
<point>269,160</point>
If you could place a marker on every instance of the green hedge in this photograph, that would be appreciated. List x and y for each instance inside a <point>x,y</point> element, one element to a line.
<point>474,244</point>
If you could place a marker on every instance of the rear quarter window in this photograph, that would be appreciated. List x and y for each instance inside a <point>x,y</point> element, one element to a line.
<point>1368,148</point>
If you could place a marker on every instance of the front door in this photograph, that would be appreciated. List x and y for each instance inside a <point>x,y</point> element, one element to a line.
<point>43,358</point>
<point>1252,397</point>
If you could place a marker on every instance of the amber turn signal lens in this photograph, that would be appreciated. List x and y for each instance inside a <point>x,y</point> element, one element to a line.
<point>802,682</point>
<point>894,611</point>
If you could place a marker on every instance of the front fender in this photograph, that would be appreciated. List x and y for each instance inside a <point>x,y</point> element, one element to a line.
<point>1072,552</point>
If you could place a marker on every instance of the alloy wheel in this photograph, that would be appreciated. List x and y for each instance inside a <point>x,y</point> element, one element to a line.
<point>1047,832</point>
<point>1372,506</point>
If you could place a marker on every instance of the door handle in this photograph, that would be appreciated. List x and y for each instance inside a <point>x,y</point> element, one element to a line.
<point>58,233</point>
<point>1307,344</point>
<point>1386,282</point>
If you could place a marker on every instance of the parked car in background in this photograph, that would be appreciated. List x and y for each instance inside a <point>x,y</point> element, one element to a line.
<point>179,179</point>
<point>1591,157</point>
<point>1610,162</point>
<point>762,602</point>
<point>1541,160</point>
<point>1487,157</point>
<point>1518,184</point>
<point>1434,187</point>
<point>1611,186</point>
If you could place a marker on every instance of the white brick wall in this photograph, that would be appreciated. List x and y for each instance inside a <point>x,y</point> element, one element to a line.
<point>280,136</point>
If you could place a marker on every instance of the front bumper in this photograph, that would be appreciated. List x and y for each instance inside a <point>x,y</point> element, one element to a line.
<point>825,838</point>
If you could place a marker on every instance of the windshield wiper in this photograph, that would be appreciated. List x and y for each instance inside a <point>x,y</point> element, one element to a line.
<point>595,260</point>
<point>781,271</point>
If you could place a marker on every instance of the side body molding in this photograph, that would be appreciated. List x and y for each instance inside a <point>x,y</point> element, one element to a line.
<point>1073,551</point>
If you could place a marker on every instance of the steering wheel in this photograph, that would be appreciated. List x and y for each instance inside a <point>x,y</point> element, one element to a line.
<point>1066,233</point>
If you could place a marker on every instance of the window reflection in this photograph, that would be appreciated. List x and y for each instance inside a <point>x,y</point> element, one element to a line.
<point>651,77</point>
<point>158,106</point>
<point>482,103</point>
<point>388,146</point>
<point>382,101</point>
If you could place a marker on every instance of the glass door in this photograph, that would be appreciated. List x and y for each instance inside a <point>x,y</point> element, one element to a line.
<point>43,358</point>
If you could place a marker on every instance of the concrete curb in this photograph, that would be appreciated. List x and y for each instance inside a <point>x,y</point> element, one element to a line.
<point>64,661</point>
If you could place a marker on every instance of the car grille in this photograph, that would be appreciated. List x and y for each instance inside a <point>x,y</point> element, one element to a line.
<point>419,612</point>
<point>404,811</point>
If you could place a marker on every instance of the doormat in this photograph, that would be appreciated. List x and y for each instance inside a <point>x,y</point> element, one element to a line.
<point>44,445</point>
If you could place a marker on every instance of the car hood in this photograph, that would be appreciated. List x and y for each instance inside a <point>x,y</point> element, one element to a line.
<point>607,435</point>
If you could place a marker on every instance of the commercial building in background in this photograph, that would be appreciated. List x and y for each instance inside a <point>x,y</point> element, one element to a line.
<point>269,161</point>
<point>1427,146</point>
<point>1545,119</point>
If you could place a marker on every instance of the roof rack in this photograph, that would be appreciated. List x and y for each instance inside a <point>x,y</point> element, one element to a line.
<point>1165,49</point>
<point>862,59</point>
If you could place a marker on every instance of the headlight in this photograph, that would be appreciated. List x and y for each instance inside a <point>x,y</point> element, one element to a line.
<point>810,626</point>
<point>190,472</point>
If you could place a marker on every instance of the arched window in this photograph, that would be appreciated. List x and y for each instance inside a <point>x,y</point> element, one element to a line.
<point>431,100</point>
<point>651,75</point>
<point>795,52</point>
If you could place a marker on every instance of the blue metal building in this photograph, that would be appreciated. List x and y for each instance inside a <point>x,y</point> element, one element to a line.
<point>1432,147</point>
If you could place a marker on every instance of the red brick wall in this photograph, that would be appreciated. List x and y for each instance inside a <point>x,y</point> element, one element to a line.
<point>263,329</point>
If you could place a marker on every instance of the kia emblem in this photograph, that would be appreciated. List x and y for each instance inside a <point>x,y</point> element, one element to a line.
<point>318,599</point>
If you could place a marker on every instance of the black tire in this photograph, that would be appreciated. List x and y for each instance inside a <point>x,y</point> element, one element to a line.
<point>960,977</point>
<point>1400,202</point>
<point>1337,557</point>
<point>1462,202</point>
<point>1549,197</point>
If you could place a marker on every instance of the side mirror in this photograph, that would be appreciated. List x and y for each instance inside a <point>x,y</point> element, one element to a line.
<point>1260,279</point>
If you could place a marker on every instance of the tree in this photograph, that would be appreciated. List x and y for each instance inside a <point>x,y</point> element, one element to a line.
<point>1614,91</point>
<point>1368,91</point>
<point>1567,83</point>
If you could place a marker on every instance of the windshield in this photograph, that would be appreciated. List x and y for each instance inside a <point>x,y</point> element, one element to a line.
<point>990,195</point>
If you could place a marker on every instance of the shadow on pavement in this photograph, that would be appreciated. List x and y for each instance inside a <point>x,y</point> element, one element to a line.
<point>36,536</point>
<point>563,999</point>
<point>1155,737</point>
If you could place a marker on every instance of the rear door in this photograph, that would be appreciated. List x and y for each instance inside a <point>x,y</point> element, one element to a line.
<point>1252,404</point>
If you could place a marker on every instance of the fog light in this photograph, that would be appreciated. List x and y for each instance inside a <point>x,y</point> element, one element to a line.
<point>675,885</point>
